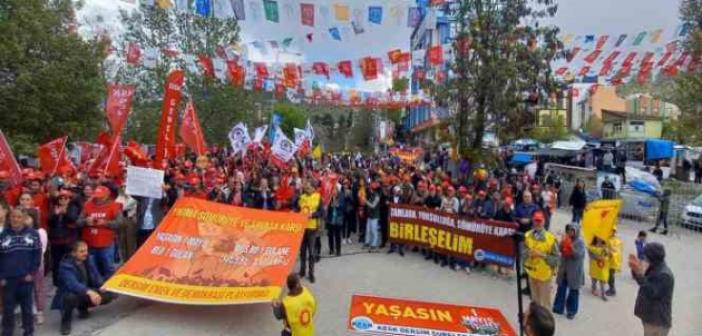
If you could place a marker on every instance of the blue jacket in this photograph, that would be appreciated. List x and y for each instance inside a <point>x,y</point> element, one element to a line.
<point>70,279</point>
<point>524,210</point>
<point>20,252</point>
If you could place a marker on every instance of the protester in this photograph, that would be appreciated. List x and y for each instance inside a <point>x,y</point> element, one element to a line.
<point>541,257</point>
<point>372,241</point>
<point>100,217</point>
<point>297,309</point>
<point>79,286</point>
<point>608,189</point>
<point>148,215</point>
<point>309,205</point>
<point>538,321</point>
<point>397,199</point>
<point>571,273</point>
<point>38,277</point>
<point>599,266</point>
<point>335,222</point>
<point>63,229</point>
<point>664,199</point>
<point>20,259</point>
<point>578,200</point>
<point>654,300</point>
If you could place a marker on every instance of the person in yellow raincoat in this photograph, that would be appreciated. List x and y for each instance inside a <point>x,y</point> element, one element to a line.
<point>599,266</point>
<point>297,309</point>
<point>615,261</point>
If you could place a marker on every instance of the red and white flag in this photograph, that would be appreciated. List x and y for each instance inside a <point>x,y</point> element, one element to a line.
<point>52,156</point>
<point>119,102</point>
<point>191,131</point>
<point>8,162</point>
<point>165,139</point>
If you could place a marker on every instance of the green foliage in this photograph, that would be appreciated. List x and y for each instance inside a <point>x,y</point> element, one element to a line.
<point>505,69</point>
<point>552,129</point>
<point>50,79</point>
<point>594,126</point>
<point>293,116</point>
<point>400,84</point>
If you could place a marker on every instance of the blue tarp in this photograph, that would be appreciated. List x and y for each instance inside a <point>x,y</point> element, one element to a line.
<point>659,149</point>
<point>521,158</point>
<point>643,186</point>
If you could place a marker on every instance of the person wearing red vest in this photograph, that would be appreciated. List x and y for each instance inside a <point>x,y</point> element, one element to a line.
<point>100,218</point>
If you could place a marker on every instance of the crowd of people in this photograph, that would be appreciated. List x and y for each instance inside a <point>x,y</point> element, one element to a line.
<point>77,225</point>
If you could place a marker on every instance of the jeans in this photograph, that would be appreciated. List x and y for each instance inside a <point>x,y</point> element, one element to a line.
<point>104,259</point>
<point>577,216</point>
<point>569,301</point>
<point>372,232</point>
<point>17,291</point>
<point>334,235</point>
<point>57,253</point>
<point>307,252</point>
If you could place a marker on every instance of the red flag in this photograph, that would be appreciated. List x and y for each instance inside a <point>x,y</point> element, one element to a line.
<point>114,156</point>
<point>328,186</point>
<point>135,154</point>
<point>591,57</point>
<point>307,14</point>
<point>165,140</point>
<point>345,68</point>
<point>606,68</point>
<point>647,59</point>
<point>601,41</point>
<point>436,55</point>
<point>261,70</point>
<point>321,68</point>
<point>291,77</point>
<point>133,53</point>
<point>191,131</point>
<point>665,58</point>
<point>369,67</point>
<point>52,155</point>
<point>8,162</point>
<point>583,71</point>
<point>612,56</point>
<point>180,150</point>
<point>119,102</point>
<point>629,60</point>
<point>571,55</point>
<point>237,73</point>
<point>394,56</point>
<point>207,65</point>
<point>561,71</point>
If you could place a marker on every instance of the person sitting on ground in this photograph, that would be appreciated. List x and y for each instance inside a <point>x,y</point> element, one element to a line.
<point>78,287</point>
<point>538,321</point>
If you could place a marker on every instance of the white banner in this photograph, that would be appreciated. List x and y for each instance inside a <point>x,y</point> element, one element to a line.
<point>260,133</point>
<point>283,148</point>
<point>144,182</point>
<point>300,136</point>
<point>239,138</point>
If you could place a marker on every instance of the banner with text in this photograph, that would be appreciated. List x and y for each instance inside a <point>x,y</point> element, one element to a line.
<point>372,315</point>
<point>144,182</point>
<point>206,253</point>
<point>473,239</point>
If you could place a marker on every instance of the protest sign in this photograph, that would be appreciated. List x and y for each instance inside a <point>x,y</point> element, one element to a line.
<point>408,155</point>
<point>144,182</point>
<point>206,253</point>
<point>372,315</point>
<point>600,219</point>
<point>466,238</point>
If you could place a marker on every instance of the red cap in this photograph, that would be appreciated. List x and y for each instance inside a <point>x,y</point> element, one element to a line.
<point>188,164</point>
<point>421,184</point>
<point>509,201</point>
<point>101,192</point>
<point>432,188</point>
<point>539,217</point>
<point>481,193</point>
<point>451,190</point>
<point>462,190</point>
<point>4,174</point>
<point>194,180</point>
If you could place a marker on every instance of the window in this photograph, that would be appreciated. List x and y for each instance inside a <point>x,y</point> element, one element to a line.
<point>637,127</point>
<point>617,127</point>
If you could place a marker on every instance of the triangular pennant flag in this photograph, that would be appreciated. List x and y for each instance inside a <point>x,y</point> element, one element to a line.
<point>307,14</point>
<point>164,4</point>
<point>202,7</point>
<point>413,17</point>
<point>335,34</point>
<point>341,12</point>
<point>375,14</point>
<point>271,8</point>
<point>239,11</point>
<point>191,130</point>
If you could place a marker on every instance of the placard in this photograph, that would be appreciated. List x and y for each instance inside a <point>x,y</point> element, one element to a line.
<point>144,182</point>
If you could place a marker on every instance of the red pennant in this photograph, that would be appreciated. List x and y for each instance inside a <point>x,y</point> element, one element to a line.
<point>394,56</point>
<point>321,68</point>
<point>665,58</point>
<point>119,102</point>
<point>561,71</point>
<point>261,70</point>
<point>436,55</point>
<point>133,53</point>
<point>52,156</point>
<point>583,71</point>
<point>207,65</point>
<point>346,69</point>
<point>612,57</point>
<point>601,41</point>
<point>629,60</point>
<point>237,73</point>
<point>606,68</point>
<point>591,57</point>
<point>369,68</point>
<point>191,131</point>
<point>307,14</point>
<point>135,154</point>
<point>571,55</point>
<point>165,140</point>
<point>647,59</point>
<point>8,162</point>
<point>291,77</point>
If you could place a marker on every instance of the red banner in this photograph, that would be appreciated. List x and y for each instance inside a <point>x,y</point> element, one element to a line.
<point>135,154</point>
<point>346,69</point>
<point>191,131</point>
<point>485,241</point>
<point>8,162</point>
<point>436,55</point>
<point>261,70</point>
<point>321,68</point>
<point>373,315</point>
<point>291,76</point>
<point>601,41</point>
<point>307,14</point>
<point>591,57</point>
<point>133,53</point>
<point>237,73</point>
<point>369,66</point>
<point>165,140</point>
<point>207,65</point>
<point>119,102</point>
<point>394,56</point>
<point>52,155</point>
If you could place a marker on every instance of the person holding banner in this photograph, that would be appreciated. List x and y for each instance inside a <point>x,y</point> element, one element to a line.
<point>297,309</point>
<point>78,286</point>
<point>541,257</point>
<point>310,205</point>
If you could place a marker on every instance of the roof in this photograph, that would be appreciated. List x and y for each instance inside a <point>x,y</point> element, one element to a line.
<point>621,115</point>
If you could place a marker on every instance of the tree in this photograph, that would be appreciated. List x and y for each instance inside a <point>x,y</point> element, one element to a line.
<point>501,66</point>
<point>553,128</point>
<point>187,35</point>
<point>292,116</point>
<point>689,85</point>
<point>51,83</point>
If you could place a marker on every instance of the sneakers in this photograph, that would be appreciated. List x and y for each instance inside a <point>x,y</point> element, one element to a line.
<point>312,279</point>
<point>467,270</point>
<point>570,316</point>
<point>610,293</point>
<point>65,328</point>
<point>402,253</point>
<point>653,230</point>
<point>39,318</point>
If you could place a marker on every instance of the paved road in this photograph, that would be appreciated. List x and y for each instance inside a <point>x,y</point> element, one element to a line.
<point>410,277</point>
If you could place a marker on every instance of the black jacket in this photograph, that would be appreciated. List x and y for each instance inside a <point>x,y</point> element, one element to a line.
<point>654,301</point>
<point>578,200</point>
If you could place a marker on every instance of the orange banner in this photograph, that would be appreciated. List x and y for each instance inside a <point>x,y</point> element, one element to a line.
<point>206,253</point>
<point>371,315</point>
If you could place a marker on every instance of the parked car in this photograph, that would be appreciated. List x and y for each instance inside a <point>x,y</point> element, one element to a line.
<point>692,214</point>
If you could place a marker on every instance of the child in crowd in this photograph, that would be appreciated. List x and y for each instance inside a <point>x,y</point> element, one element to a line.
<point>640,243</point>
<point>615,261</point>
<point>599,266</point>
